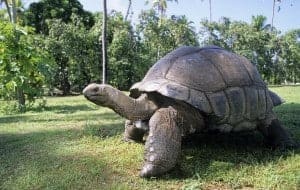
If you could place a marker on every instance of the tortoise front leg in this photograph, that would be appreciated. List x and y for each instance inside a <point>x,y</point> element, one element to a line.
<point>163,145</point>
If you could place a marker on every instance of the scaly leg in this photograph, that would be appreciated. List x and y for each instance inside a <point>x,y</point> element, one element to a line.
<point>163,145</point>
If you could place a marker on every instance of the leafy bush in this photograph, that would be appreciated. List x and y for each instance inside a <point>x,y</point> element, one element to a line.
<point>23,64</point>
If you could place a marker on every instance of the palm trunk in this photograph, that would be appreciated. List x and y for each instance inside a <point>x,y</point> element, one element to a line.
<point>14,12</point>
<point>64,82</point>
<point>104,48</point>
<point>128,9</point>
<point>210,14</point>
<point>8,9</point>
<point>273,14</point>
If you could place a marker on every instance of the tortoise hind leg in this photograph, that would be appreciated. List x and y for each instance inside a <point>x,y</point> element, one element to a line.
<point>135,130</point>
<point>277,136</point>
<point>163,145</point>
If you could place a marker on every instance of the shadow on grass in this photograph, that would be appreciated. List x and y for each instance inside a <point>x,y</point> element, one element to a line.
<point>93,116</point>
<point>67,109</point>
<point>105,131</point>
<point>50,159</point>
<point>231,151</point>
<point>63,109</point>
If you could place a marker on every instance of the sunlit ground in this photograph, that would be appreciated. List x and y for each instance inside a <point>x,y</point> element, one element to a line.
<point>73,144</point>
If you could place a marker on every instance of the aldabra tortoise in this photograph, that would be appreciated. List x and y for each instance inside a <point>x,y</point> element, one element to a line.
<point>191,90</point>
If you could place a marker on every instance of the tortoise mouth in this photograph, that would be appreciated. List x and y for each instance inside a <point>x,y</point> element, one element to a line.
<point>96,99</point>
<point>93,96</point>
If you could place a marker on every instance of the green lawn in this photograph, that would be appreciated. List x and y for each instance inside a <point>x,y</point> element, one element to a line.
<point>74,144</point>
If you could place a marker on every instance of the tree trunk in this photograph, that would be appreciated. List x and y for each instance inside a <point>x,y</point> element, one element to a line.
<point>104,48</point>
<point>66,87</point>
<point>21,99</point>
<point>14,12</point>
<point>273,14</point>
<point>8,9</point>
<point>210,14</point>
<point>128,9</point>
<point>64,78</point>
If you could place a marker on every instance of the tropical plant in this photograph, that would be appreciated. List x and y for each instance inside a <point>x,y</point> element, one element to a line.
<point>290,55</point>
<point>23,64</point>
<point>160,6</point>
<point>104,44</point>
<point>38,13</point>
<point>255,41</point>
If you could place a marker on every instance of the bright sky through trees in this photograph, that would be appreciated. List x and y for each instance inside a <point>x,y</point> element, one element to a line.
<point>287,18</point>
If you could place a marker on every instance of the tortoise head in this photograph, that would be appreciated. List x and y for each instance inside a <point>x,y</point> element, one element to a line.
<point>99,94</point>
<point>130,108</point>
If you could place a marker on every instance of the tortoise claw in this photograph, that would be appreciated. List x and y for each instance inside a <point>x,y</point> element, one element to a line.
<point>148,171</point>
<point>285,145</point>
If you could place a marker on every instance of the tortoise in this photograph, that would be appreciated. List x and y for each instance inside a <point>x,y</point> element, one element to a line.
<point>188,91</point>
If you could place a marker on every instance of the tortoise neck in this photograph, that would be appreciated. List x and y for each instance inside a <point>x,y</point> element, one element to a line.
<point>134,109</point>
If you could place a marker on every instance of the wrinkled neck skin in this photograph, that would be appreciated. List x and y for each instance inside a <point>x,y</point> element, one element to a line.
<point>141,108</point>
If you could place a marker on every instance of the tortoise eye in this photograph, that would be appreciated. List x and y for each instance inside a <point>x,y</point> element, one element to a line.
<point>95,89</point>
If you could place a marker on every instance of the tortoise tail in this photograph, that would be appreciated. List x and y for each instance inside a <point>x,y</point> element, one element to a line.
<point>277,100</point>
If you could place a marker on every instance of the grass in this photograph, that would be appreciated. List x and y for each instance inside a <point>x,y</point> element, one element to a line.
<point>74,144</point>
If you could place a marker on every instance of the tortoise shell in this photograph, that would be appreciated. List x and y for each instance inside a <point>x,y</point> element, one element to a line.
<point>221,84</point>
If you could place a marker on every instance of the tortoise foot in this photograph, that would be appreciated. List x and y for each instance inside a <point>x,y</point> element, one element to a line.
<point>278,137</point>
<point>150,170</point>
<point>284,145</point>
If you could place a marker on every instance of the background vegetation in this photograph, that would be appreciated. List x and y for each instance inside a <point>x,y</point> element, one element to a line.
<point>54,46</point>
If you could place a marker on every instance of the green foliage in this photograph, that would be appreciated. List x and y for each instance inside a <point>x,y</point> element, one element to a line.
<point>125,62</point>
<point>121,64</point>
<point>290,55</point>
<point>160,6</point>
<point>4,15</point>
<point>22,63</point>
<point>123,51</point>
<point>73,50</point>
<point>262,46</point>
<point>162,35</point>
<point>39,12</point>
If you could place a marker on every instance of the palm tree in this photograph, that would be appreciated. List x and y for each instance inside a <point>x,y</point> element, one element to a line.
<point>7,8</point>
<point>128,9</point>
<point>259,23</point>
<point>273,13</point>
<point>183,31</point>
<point>11,7</point>
<point>210,12</point>
<point>161,6</point>
<point>104,48</point>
